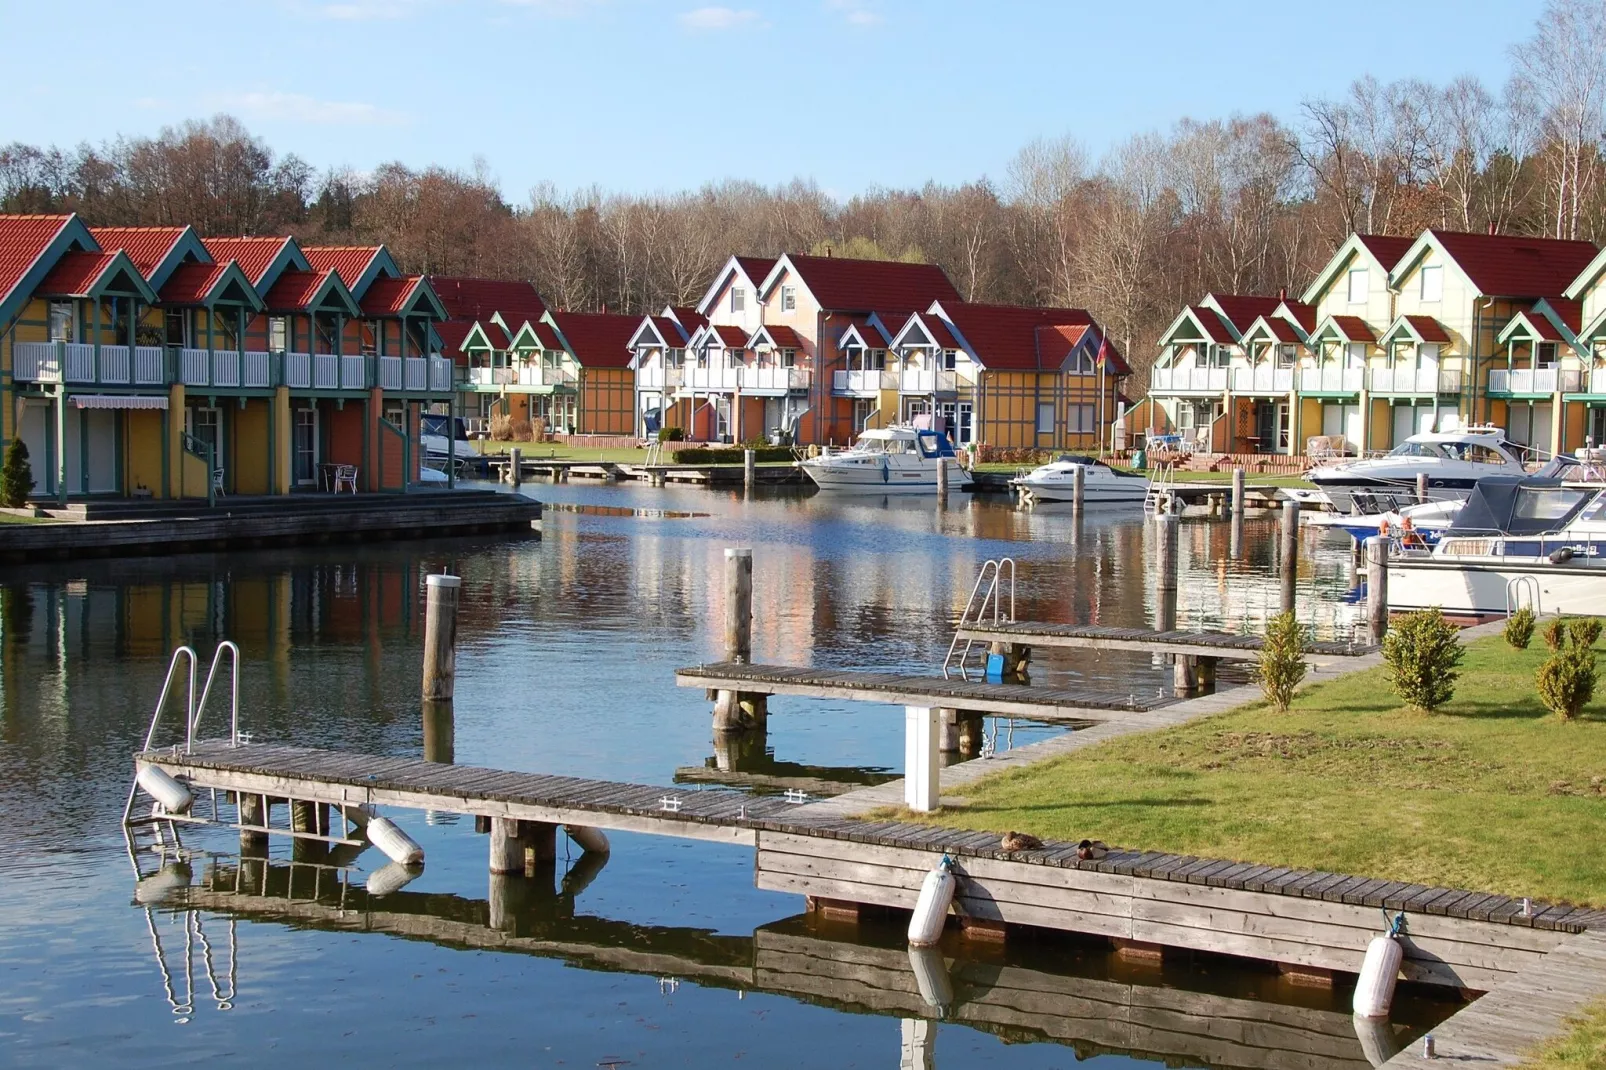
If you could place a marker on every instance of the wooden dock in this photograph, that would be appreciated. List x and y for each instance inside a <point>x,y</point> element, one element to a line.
<point>1058,705</point>
<point>1203,644</point>
<point>561,471</point>
<point>252,523</point>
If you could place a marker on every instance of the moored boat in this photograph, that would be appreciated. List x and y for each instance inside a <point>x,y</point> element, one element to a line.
<point>885,460</point>
<point>1101,484</point>
<point>1453,462</point>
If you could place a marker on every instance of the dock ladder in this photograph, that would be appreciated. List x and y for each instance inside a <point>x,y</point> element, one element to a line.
<point>1162,484</point>
<point>989,588</point>
<point>1522,591</point>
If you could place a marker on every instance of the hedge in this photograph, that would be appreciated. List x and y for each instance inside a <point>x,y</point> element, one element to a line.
<point>730,455</point>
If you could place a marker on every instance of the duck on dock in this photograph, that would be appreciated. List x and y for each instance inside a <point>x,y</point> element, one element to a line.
<point>1020,841</point>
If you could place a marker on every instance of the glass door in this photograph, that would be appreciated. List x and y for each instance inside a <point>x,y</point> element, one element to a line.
<point>204,425</point>
<point>304,447</point>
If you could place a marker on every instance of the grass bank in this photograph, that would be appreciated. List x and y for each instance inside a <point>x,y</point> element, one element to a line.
<point>1582,1047</point>
<point>1492,793</point>
<point>16,518</point>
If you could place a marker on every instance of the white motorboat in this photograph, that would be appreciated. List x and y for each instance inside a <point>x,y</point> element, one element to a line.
<point>1515,542</point>
<point>1454,461</point>
<point>886,460</point>
<point>1101,484</point>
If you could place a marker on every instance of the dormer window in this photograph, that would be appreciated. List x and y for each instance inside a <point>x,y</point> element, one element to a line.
<point>788,358</point>
<point>950,359</point>
<point>61,321</point>
<point>1286,355</point>
<point>1545,354</point>
<point>878,359</point>
<point>738,299</point>
<point>1433,283</point>
<point>788,298</point>
<point>1358,286</point>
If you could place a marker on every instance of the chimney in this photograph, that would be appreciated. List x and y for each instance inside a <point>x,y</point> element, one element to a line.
<point>1491,228</point>
<point>604,308</point>
<point>828,252</point>
<point>1282,293</point>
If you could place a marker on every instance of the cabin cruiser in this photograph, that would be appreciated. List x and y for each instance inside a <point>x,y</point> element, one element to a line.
<point>1428,520</point>
<point>1453,460</point>
<point>1101,484</point>
<point>885,460</point>
<point>1516,541</point>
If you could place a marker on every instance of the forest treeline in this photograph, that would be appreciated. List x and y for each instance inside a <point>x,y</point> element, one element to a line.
<point>1247,204</point>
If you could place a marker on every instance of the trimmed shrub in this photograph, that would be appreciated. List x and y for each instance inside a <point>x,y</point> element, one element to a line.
<point>1566,681</point>
<point>671,434</point>
<point>16,476</point>
<point>1422,653</point>
<point>1282,660</point>
<point>1556,634</point>
<point>728,455</point>
<point>1520,628</point>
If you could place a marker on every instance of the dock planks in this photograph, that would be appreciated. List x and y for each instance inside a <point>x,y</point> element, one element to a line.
<point>1106,637</point>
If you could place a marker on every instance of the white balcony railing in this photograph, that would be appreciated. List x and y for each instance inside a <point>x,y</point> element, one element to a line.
<point>415,374</point>
<point>1418,381</point>
<point>325,371</point>
<point>863,381</point>
<point>1597,381</point>
<point>1262,379</point>
<point>1331,379</point>
<point>774,378</point>
<point>1196,380</point>
<point>80,361</point>
<point>713,377</point>
<point>256,369</point>
<point>35,362</point>
<point>298,370</point>
<point>195,367</point>
<point>114,366</point>
<point>440,375</point>
<point>1522,381</point>
<point>390,373</point>
<point>927,380</point>
<point>149,366</point>
<point>353,371</point>
<point>657,377</point>
<point>225,368</point>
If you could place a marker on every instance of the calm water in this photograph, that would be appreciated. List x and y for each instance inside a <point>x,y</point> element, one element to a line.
<point>667,956</point>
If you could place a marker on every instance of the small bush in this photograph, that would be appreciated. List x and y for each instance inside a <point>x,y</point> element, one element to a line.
<point>1282,660</point>
<point>671,434</point>
<point>502,428</point>
<point>1520,628</point>
<point>1566,681</point>
<point>1422,653</point>
<point>519,430</point>
<point>16,476</point>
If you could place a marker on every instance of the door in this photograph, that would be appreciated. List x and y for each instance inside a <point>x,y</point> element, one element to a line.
<point>1426,417</point>
<point>1352,428</point>
<point>304,448</point>
<point>1332,420</point>
<point>962,423</point>
<point>205,425</point>
<point>1404,423</point>
<point>1541,429</point>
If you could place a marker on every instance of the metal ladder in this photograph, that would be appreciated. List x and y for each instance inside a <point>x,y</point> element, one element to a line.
<point>992,574</point>
<point>1162,482</point>
<point>1516,588</point>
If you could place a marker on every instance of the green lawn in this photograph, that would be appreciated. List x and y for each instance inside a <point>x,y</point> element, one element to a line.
<point>12,518</point>
<point>1582,1048</point>
<point>1492,793</point>
<point>545,450</point>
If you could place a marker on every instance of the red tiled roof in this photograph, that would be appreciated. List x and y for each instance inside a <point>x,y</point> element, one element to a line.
<point>495,335</point>
<point>1386,248</point>
<point>756,267</point>
<point>783,336</point>
<point>1354,328</point>
<point>254,255</point>
<point>190,283</point>
<point>546,335</point>
<point>347,261</point>
<point>844,285</point>
<point>1241,310</point>
<point>293,289</point>
<point>1005,337</point>
<point>1570,312</point>
<point>452,333</point>
<point>472,299</point>
<point>1303,314</point>
<point>1502,265</point>
<point>1280,328</point>
<point>23,238</point>
<point>1212,324</point>
<point>689,318</point>
<point>386,297</point>
<point>733,337</point>
<point>75,273</point>
<point>674,334</point>
<point>1431,330</point>
<point>145,246</point>
<point>598,339</point>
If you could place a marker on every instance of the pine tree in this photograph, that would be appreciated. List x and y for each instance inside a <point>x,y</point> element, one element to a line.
<point>16,476</point>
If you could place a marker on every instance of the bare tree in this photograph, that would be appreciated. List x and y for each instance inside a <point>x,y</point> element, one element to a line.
<point>1561,69</point>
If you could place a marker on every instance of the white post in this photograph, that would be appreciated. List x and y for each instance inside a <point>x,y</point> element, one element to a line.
<point>918,1050</point>
<point>921,729</point>
<point>749,471</point>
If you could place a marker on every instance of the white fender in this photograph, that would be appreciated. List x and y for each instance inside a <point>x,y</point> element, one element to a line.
<point>160,785</point>
<point>588,838</point>
<point>161,884</point>
<point>1374,989</point>
<point>931,978</point>
<point>392,878</point>
<point>397,845</point>
<point>1378,1042</point>
<point>931,909</point>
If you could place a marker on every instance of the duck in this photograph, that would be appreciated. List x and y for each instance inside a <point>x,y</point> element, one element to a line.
<point>1020,841</point>
<point>1089,850</point>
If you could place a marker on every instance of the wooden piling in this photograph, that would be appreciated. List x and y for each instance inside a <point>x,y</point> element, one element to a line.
<point>1167,529</point>
<point>440,637</point>
<point>749,468</point>
<point>942,478</point>
<point>738,710</point>
<point>516,844</point>
<point>440,732</point>
<point>1237,493</point>
<point>1078,488</point>
<point>948,731</point>
<point>1289,563</point>
<point>1377,587</point>
<point>1421,486</point>
<point>253,812</point>
<point>515,466</point>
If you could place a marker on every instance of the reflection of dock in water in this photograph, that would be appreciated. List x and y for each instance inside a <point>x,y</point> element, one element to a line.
<point>1107,1005</point>
<point>741,761</point>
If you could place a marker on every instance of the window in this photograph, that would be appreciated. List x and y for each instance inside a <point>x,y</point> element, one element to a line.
<point>1355,354</point>
<point>1358,286</point>
<point>878,359</point>
<point>278,334</point>
<point>674,358</point>
<point>1433,283</point>
<point>950,359</point>
<point>1286,355</point>
<point>1220,356</point>
<point>738,299</point>
<point>61,321</point>
<point>176,324</point>
<point>788,358</point>
<point>1079,420</point>
<point>788,298</point>
<point>1081,363</point>
<point>1545,355</point>
<point>1547,504</point>
<point>1045,417</point>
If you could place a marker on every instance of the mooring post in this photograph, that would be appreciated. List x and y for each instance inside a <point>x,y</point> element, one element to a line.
<point>1421,486</point>
<point>1357,562</point>
<point>440,637</point>
<point>735,711</point>
<point>948,732</point>
<point>515,466</point>
<point>1184,667</point>
<point>1237,493</point>
<point>440,732</point>
<point>1290,554</point>
<point>1078,488</point>
<point>749,468</point>
<point>1377,587</point>
<point>942,479</point>
<point>518,844</point>
<point>253,811</point>
<point>921,768</point>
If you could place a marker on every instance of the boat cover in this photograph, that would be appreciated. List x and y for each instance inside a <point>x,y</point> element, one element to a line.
<point>1518,505</point>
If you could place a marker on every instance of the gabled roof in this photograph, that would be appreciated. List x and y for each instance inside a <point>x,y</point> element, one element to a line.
<point>1564,312</point>
<point>1298,313</point>
<point>1419,329</point>
<point>307,291</point>
<point>1378,250</point>
<point>1007,337</point>
<point>358,265</point>
<point>411,295</point>
<point>752,269</point>
<point>688,318</point>
<point>87,274</point>
<point>1503,265</point>
<point>860,332</point>
<point>1587,278</point>
<point>536,335</point>
<point>484,334</point>
<point>840,284</point>
<point>776,336</point>
<point>471,299</point>
<point>730,337</point>
<point>201,283</point>
<point>1070,340</point>
<point>1207,324</point>
<point>921,330</point>
<point>155,251</point>
<point>1345,329</point>
<point>1532,326</point>
<point>451,333</point>
<point>1274,328</point>
<point>595,339</point>
<point>261,258</point>
<point>1240,310</point>
<point>29,246</point>
<point>654,331</point>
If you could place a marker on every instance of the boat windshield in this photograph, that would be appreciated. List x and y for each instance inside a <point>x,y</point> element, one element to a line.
<point>1415,449</point>
<point>886,445</point>
<point>1517,506</point>
<point>1476,452</point>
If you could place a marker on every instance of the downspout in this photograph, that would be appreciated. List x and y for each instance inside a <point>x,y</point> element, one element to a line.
<point>1477,345</point>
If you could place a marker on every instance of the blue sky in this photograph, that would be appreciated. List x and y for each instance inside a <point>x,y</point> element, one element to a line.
<point>645,94</point>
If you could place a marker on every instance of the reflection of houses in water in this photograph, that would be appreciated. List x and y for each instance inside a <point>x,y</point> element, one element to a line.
<point>1198,1010</point>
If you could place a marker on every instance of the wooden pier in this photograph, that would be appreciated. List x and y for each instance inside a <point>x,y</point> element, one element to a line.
<point>1203,644</point>
<point>561,471</point>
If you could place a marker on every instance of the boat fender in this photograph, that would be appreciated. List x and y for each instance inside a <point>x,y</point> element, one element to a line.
<point>931,909</point>
<point>392,877</point>
<point>587,838</point>
<point>1380,970</point>
<point>931,978</point>
<point>156,888</point>
<point>160,785</point>
<point>397,845</point>
<point>1561,556</point>
<point>1378,1041</point>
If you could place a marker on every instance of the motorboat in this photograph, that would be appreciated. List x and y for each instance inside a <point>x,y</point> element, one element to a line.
<point>1428,520</point>
<point>1101,484</point>
<point>884,460</point>
<point>1517,541</point>
<point>1453,461</point>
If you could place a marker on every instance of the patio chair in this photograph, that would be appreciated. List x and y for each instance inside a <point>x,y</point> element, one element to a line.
<point>217,481</point>
<point>1189,441</point>
<point>346,478</point>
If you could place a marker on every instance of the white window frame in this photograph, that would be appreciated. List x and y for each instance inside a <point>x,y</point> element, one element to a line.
<point>738,299</point>
<point>62,318</point>
<point>788,298</point>
<point>1080,419</point>
<point>278,334</point>
<point>1363,275</point>
<point>1433,294</point>
<point>1354,354</point>
<point>1287,355</point>
<point>950,359</point>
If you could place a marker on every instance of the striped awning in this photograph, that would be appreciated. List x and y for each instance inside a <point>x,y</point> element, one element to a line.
<point>119,401</point>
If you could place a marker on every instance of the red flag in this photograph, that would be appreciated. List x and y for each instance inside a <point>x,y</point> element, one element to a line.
<point>1106,352</point>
